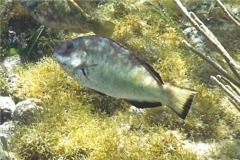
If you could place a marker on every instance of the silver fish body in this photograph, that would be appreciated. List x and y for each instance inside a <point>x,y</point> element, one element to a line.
<point>109,68</point>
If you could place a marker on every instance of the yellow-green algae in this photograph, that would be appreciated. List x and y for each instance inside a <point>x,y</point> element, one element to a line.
<point>3,81</point>
<point>69,129</point>
<point>77,124</point>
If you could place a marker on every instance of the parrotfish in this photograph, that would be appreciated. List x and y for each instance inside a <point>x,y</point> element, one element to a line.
<point>67,15</point>
<point>109,68</point>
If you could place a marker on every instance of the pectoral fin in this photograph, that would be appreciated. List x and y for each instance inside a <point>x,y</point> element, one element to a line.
<point>139,104</point>
<point>84,71</point>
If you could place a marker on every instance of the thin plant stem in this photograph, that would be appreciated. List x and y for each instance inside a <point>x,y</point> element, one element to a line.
<point>198,24</point>
<point>226,89</point>
<point>233,19</point>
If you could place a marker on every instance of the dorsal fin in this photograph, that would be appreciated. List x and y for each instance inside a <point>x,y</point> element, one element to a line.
<point>149,68</point>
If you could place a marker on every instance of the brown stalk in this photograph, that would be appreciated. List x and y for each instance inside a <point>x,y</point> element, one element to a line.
<point>231,17</point>
<point>229,83</point>
<point>229,92</point>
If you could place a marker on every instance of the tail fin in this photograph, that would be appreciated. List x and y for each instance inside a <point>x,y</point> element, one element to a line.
<point>179,99</point>
<point>105,28</point>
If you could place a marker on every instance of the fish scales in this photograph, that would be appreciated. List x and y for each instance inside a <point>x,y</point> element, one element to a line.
<point>107,67</point>
<point>109,75</point>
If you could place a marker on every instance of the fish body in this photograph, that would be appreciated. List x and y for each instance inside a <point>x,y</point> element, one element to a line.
<point>109,68</point>
<point>66,15</point>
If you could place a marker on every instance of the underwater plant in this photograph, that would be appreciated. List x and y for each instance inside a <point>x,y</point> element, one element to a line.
<point>229,80</point>
<point>5,152</point>
<point>3,81</point>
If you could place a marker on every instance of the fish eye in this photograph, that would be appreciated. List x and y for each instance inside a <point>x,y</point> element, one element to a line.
<point>69,45</point>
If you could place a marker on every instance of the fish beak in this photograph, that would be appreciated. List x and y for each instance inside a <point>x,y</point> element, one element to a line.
<point>73,60</point>
<point>61,49</point>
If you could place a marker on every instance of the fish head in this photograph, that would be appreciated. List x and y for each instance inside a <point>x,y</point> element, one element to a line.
<point>36,9</point>
<point>70,55</point>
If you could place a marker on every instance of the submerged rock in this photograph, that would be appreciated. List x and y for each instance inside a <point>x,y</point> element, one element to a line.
<point>7,106</point>
<point>25,110</point>
<point>6,130</point>
<point>10,64</point>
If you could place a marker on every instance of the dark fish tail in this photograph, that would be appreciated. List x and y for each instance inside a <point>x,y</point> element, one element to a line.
<point>179,99</point>
<point>105,28</point>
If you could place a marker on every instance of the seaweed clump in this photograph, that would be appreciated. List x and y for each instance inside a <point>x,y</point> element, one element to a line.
<point>22,35</point>
<point>3,81</point>
<point>70,129</point>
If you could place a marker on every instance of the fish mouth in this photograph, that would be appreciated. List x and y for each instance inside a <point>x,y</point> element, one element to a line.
<point>60,49</point>
<point>64,49</point>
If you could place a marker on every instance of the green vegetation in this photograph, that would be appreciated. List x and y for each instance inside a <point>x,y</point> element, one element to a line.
<point>3,81</point>
<point>21,34</point>
<point>70,128</point>
<point>76,124</point>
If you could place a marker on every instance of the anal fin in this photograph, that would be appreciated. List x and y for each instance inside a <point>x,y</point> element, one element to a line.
<point>97,92</point>
<point>139,104</point>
